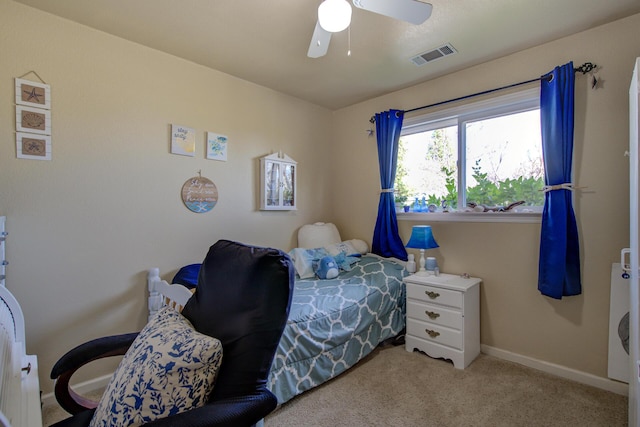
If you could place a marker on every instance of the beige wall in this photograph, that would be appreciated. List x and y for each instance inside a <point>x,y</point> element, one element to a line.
<point>86,226</point>
<point>572,332</point>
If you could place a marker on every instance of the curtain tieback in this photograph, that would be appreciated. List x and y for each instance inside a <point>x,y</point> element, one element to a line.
<point>387,190</point>
<point>565,186</point>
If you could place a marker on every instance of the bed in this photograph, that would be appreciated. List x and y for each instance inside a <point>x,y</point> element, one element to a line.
<point>333,323</point>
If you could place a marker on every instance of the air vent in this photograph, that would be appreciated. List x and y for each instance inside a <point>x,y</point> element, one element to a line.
<point>434,54</point>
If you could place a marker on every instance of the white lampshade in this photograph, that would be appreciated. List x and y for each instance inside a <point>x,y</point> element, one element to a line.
<point>334,15</point>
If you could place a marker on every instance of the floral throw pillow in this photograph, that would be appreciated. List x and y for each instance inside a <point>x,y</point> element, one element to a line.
<point>169,368</point>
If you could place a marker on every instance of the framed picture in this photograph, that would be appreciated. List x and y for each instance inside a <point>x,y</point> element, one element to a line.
<point>183,141</point>
<point>33,120</point>
<point>33,146</point>
<point>33,94</point>
<point>216,146</point>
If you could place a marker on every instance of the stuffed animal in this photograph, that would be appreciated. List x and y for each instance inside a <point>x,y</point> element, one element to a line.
<point>327,268</point>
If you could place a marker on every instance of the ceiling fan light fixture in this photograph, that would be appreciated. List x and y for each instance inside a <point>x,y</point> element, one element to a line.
<point>334,15</point>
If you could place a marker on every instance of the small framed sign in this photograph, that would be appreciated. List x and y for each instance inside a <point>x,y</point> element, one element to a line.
<point>33,94</point>
<point>183,141</point>
<point>216,146</point>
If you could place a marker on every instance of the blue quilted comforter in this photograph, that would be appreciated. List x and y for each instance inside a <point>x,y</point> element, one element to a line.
<point>335,323</point>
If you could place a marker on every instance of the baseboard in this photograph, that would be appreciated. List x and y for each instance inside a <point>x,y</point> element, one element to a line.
<point>558,370</point>
<point>86,387</point>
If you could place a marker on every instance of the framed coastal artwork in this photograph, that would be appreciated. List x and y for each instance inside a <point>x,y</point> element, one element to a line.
<point>216,146</point>
<point>33,94</point>
<point>183,141</point>
<point>33,120</point>
<point>33,146</point>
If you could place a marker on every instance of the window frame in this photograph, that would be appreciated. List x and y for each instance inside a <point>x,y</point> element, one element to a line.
<point>460,115</point>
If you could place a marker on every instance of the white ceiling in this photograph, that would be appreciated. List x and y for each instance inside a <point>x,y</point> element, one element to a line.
<point>266,41</point>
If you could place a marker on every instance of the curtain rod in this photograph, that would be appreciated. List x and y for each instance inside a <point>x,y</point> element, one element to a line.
<point>584,69</point>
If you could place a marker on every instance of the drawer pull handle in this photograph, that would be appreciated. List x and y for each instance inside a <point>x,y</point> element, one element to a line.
<point>432,314</point>
<point>432,295</point>
<point>432,333</point>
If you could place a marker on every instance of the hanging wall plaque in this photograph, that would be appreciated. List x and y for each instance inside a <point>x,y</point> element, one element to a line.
<point>199,194</point>
<point>33,119</point>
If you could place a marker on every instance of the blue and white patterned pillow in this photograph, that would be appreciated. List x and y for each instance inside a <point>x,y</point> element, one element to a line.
<point>169,368</point>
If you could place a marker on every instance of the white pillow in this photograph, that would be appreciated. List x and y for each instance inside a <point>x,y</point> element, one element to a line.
<point>348,247</point>
<point>359,245</point>
<point>343,247</point>
<point>318,235</point>
<point>169,368</point>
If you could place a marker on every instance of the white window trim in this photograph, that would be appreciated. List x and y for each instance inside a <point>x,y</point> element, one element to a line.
<point>511,217</point>
<point>506,104</point>
<point>523,100</point>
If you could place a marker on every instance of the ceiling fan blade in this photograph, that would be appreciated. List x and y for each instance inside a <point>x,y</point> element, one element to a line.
<point>412,11</point>
<point>319,42</point>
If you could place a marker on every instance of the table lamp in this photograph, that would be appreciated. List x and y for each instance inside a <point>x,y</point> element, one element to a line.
<point>422,238</point>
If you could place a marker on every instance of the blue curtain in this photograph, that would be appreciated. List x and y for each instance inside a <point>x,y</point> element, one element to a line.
<point>386,240</point>
<point>559,268</point>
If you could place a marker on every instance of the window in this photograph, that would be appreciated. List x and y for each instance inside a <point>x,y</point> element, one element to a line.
<point>486,154</point>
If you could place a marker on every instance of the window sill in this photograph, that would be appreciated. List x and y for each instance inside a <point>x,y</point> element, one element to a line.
<point>512,217</point>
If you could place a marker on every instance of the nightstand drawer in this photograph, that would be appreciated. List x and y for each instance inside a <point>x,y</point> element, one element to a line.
<point>434,314</point>
<point>434,295</point>
<point>435,333</point>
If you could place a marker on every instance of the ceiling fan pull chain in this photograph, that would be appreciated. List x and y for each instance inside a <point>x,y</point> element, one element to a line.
<point>349,41</point>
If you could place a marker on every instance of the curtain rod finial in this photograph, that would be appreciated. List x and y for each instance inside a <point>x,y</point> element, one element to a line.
<point>585,68</point>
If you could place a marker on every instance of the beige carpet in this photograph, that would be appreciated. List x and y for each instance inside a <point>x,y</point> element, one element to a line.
<point>393,387</point>
<point>396,388</point>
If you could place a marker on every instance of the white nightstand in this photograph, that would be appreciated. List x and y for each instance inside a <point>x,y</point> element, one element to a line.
<point>443,317</point>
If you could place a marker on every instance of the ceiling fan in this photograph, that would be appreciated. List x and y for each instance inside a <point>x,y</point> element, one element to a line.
<point>335,16</point>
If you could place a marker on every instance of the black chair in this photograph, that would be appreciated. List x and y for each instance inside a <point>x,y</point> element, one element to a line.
<point>243,298</point>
